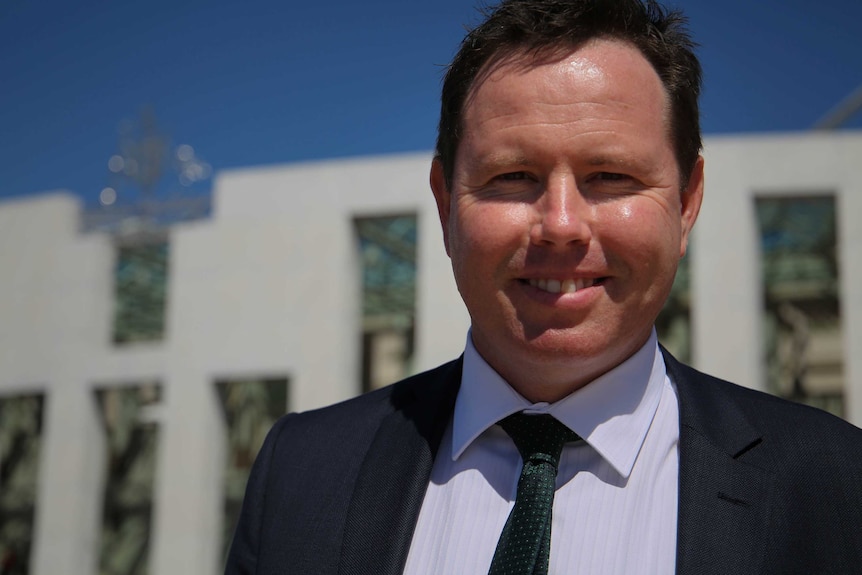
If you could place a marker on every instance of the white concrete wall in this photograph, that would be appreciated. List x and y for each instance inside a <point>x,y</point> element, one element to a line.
<point>314,205</point>
<point>727,313</point>
<point>270,286</point>
<point>52,319</point>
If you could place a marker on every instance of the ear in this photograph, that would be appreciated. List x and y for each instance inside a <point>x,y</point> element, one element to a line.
<point>690,201</point>
<point>443,197</point>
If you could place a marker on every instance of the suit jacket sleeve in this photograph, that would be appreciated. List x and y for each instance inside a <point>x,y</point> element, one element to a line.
<point>242,558</point>
<point>337,490</point>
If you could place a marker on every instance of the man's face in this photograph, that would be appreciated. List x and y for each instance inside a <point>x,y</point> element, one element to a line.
<point>565,220</point>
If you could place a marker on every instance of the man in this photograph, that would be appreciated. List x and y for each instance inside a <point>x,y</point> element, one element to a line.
<point>567,179</point>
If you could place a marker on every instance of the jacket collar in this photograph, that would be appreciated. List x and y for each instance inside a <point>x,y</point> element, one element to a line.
<point>724,502</point>
<point>394,475</point>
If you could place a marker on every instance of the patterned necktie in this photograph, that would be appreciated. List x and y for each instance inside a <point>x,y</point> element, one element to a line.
<point>525,543</point>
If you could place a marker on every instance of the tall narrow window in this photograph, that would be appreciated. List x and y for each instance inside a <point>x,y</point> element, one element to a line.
<point>674,322</point>
<point>130,417</point>
<point>387,248</point>
<point>251,407</point>
<point>20,440</point>
<point>140,290</point>
<point>802,321</point>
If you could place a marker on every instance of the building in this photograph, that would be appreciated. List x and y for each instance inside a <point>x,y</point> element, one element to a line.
<point>126,434</point>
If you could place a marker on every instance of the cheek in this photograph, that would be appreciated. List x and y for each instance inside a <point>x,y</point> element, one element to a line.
<point>642,233</point>
<point>487,229</point>
<point>650,211</point>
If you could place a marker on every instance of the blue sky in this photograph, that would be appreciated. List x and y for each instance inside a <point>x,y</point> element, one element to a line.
<point>265,82</point>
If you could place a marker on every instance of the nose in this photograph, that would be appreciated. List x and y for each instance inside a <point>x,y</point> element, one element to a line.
<point>563,215</point>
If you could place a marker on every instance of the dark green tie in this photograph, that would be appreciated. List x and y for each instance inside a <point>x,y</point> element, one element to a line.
<point>525,544</point>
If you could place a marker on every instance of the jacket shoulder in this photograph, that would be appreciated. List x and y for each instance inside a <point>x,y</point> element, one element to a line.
<point>778,419</point>
<point>300,487</point>
<point>358,418</point>
<point>796,473</point>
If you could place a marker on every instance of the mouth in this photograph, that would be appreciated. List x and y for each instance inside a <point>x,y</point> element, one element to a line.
<point>557,286</point>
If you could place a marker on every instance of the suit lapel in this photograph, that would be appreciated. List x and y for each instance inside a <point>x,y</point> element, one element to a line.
<point>394,476</point>
<point>724,502</point>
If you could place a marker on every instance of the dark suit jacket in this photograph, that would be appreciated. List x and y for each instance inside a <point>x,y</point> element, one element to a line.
<point>765,485</point>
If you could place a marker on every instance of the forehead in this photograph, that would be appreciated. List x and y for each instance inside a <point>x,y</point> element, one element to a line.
<point>601,72</point>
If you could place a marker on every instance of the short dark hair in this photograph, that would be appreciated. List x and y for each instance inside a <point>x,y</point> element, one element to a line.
<point>543,27</point>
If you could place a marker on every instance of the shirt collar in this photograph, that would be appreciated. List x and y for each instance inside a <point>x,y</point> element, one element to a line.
<point>612,413</point>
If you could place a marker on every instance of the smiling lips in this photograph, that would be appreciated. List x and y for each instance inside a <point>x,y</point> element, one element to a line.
<point>563,286</point>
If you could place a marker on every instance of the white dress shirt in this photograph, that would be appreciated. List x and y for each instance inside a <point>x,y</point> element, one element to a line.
<point>615,508</point>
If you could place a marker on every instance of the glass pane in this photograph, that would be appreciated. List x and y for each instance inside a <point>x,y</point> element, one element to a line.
<point>140,292</point>
<point>674,322</point>
<point>20,440</point>
<point>387,248</point>
<point>131,426</point>
<point>251,407</point>
<point>802,321</point>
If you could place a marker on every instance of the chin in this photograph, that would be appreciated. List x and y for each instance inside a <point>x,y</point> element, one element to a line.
<point>583,346</point>
<point>562,343</point>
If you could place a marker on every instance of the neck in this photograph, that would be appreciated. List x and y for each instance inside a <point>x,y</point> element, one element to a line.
<point>551,377</point>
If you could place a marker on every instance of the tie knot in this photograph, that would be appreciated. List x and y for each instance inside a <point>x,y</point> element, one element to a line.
<point>538,436</point>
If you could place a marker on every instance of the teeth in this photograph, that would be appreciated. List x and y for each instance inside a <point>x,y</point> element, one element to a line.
<point>562,286</point>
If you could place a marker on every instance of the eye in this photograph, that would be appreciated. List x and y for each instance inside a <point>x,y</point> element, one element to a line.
<point>517,185</point>
<point>612,184</point>
<point>512,176</point>
<point>611,177</point>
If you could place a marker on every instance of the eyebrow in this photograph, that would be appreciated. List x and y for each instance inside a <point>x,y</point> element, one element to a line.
<point>495,162</point>
<point>505,160</point>
<point>608,160</point>
<point>601,161</point>
<point>628,161</point>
